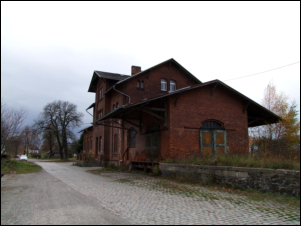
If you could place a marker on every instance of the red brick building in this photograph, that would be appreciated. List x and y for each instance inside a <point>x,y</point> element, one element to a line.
<point>166,112</point>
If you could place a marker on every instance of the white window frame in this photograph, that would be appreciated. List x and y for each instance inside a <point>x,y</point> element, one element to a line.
<point>172,84</point>
<point>163,84</point>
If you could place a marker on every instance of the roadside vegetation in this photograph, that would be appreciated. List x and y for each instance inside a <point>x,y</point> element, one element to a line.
<point>19,167</point>
<point>258,161</point>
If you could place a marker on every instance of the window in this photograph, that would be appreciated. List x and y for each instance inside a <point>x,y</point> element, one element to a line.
<point>132,138</point>
<point>96,143</point>
<point>90,142</point>
<point>142,85</point>
<point>163,85</point>
<point>100,94</point>
<point>172,85</point>
<point>138,84</point>
<point>100,145</point>
<point>101,113</point>
<point>115,144</point>
<point>211,125</point>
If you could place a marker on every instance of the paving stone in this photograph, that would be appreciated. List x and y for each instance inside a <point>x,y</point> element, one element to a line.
<point>147,200</point>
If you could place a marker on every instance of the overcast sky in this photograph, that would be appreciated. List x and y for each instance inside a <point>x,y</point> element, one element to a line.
<point>49,50</point>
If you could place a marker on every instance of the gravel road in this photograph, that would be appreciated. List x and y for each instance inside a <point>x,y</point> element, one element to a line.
<point>40,198</point>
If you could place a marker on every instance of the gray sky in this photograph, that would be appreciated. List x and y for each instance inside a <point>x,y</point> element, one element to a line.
<point>49,50</point>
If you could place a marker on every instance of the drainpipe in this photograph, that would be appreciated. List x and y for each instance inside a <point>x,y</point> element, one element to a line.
<point>122,93</point>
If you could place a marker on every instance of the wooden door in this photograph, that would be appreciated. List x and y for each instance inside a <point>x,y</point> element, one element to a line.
<point>212,142</point>
<point>152,147</point>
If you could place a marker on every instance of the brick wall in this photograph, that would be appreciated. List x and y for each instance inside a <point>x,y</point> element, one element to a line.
<point>152,82</point>
<point>195,106</point>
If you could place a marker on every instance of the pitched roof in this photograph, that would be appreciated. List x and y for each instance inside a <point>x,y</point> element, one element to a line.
<point>167,61</point>
<point>106,75</point>
<point>89,127</point>
<point>91,106</point>
<point>254,109</point>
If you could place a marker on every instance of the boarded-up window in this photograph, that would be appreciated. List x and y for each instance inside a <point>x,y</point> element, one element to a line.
<point>212,138</point>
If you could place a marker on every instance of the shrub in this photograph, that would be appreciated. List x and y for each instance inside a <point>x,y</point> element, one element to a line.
<point>44,156</point>
<point>156,170</point>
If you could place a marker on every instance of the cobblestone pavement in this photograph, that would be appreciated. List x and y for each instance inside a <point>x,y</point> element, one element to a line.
<point>146,200</point>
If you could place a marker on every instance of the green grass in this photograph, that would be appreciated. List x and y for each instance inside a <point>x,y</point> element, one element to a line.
<point>20,167</point>
<point>241,161</point>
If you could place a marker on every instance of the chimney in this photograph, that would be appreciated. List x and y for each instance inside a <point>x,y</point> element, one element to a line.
<point>135,70</point>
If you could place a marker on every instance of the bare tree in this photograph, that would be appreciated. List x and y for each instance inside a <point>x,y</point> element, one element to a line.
<point>62,116</point>
<point>13,144</point>
<point>48,140</point>
<point>30,137</point>
<point>11,123</point>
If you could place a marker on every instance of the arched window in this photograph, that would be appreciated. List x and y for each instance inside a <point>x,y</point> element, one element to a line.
<point>172,85</point>
<point>132,138</point>
<point>100,145</point>
<point>142,84</point>
<point>163,85</point>
<point>211,125</point>
<point>96,144</point>
<point>115,144</point>
<point>138,84</point>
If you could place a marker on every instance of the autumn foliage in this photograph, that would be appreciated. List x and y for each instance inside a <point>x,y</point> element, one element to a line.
<point>280,140</point>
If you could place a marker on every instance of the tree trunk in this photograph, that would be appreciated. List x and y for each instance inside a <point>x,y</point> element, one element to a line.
<point>65,146</point>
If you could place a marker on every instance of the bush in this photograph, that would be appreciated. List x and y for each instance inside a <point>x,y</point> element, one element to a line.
<point>44,156</point>
<point>156,170</point>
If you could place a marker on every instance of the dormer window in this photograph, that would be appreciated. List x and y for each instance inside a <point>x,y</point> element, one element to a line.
<point>163,85</point>
<point>172,85</point>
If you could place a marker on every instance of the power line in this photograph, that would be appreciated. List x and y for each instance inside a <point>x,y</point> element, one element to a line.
<point>263,71</point>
